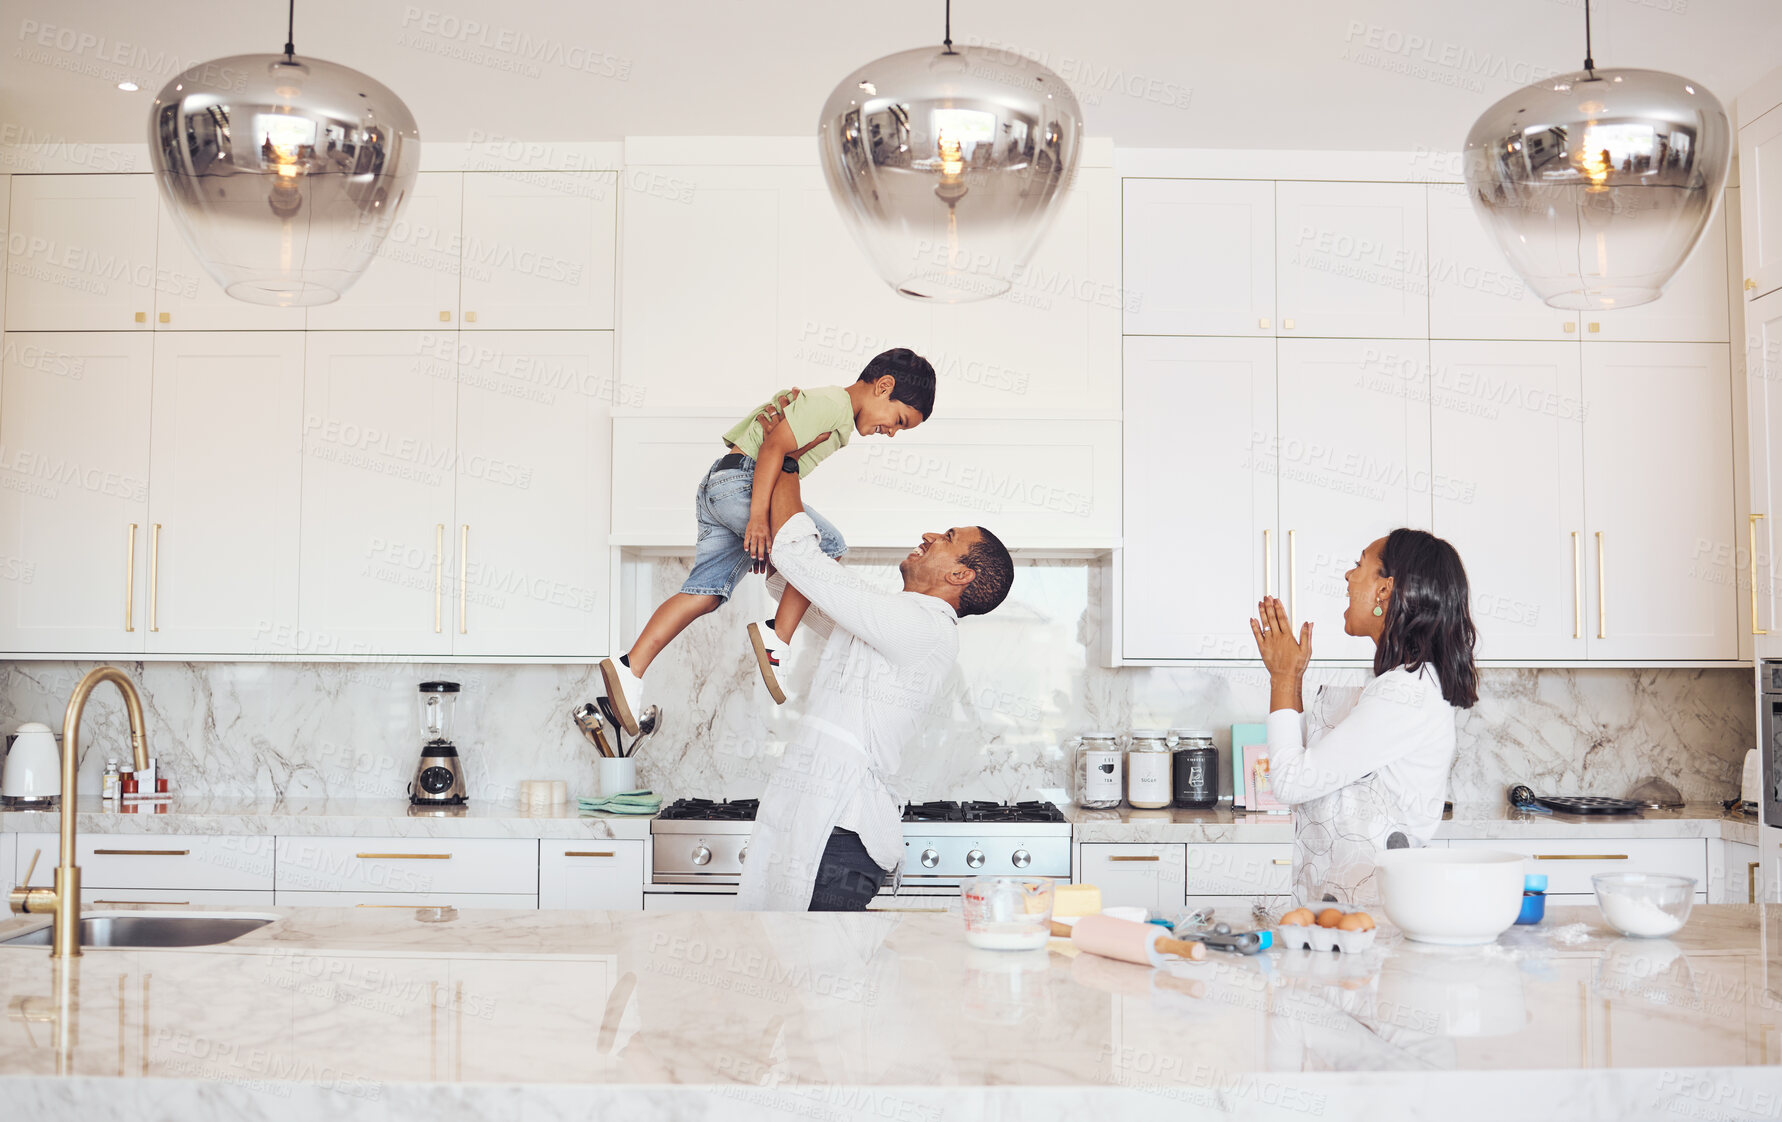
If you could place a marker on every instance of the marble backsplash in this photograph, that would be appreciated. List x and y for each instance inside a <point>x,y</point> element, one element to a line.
<point>1026,681</point>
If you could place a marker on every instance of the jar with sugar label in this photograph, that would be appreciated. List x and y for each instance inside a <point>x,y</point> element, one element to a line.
<point>1147,770</point>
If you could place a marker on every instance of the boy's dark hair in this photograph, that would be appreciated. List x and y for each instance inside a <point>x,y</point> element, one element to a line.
<point>989,559</point>
<point>915,378</point>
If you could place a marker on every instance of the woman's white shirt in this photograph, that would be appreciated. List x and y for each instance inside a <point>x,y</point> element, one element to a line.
<point>1355,780</point>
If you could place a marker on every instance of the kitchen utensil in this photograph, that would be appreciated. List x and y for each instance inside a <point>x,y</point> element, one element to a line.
<point>1223,938</point>
<point>32,777</point>
<point>1534,899</point>
<point>1751,779</point>
<point>1007,913</point>
<point>612,718</point>
<point>439,774</point>
<point>587,718</point>
<point>647,723</point>
<point>1644,905</point>
<point>1459,897</point>
<point>617,775</point>
<point>1653,793</point>
<point>1142,943</point>
<point>1522,797</point>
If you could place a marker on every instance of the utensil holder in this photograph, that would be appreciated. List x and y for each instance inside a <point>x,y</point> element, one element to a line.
<point>617,775</point>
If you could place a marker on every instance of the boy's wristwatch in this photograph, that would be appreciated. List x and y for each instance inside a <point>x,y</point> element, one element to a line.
<point>789,465</point>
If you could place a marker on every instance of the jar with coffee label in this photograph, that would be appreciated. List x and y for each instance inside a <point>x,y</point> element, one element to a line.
<point>1099,771</point>
<point>1147,770</point>
<point>1196,769</point>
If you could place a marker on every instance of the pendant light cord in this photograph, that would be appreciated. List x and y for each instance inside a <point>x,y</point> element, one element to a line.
<point>291,28</point>
<point>1589,62</point>
<point>946,41</point>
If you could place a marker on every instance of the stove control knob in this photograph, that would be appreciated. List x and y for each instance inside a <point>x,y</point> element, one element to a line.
<point>975,858</point>
<point>701,855</point>
<point>930,858</point>
<point>1022,858</point>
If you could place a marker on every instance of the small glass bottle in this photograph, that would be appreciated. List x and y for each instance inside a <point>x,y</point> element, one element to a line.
<point>1197,769</point>
<point>1147,770</point>
<point>108,783</point>
<point>1098,771</point>
<point>126,782</point>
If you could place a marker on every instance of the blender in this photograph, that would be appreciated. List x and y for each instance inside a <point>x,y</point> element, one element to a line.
<point>439,776</point>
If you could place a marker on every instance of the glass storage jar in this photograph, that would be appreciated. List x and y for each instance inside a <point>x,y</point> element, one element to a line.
<point>1099,771</point>
<point>1196,769</point>
<point>1147,770</point>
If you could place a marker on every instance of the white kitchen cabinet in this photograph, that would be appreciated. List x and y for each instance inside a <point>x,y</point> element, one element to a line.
<point>1251,870</point>
<point>379,468</point>
<point>1734,873</point>
<point>1350,260</point>
<point>598,874</point>
<point>1199,256</point>
<point>533,487</point>
<point>226,464</point>
<point>1473,291</point>
<point>1760,189</point>
<point>1209,509</point>
<point>1506,422</point>
<point>81,254</point>
<point>1146,876</point>
<point>689,901</point>
<point>74,505</point>
<point>91,897</point>
<point>1569,863</point>
<point>404,866</point>
<point>1038,483</point>
<point>1692,309</point>
<point>189,299</point>
<point>1658,497</point>
<point>505,901</point>
<point>412,284</point>
<point>118,862</point>
<point>1353,458</point>
<point>1762,363</point>
<point>539,252</point>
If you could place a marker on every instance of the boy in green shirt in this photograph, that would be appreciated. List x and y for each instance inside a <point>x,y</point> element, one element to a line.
<point>894,393</point>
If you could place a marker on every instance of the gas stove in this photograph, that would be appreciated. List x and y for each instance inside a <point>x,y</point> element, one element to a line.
<point>702,842</point>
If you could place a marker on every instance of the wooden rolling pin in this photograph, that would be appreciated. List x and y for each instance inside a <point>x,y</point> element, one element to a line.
<point>1143,943</point>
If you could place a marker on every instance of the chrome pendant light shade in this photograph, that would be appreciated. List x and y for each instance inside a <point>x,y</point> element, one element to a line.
<point>1598,184</point>
<point>283,174</point>
<point>948,165</point>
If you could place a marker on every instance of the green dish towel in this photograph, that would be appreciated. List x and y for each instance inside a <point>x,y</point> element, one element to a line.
<point>624,802</point>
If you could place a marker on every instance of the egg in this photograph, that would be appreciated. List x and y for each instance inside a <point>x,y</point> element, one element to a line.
<point>1356,921</point>
<point>1330,917</point>
<point>1298,917</point>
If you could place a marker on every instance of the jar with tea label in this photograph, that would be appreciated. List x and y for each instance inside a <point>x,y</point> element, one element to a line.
<point>1099,771</point>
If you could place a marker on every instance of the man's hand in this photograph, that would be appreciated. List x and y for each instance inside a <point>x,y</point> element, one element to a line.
<point>770,418</point>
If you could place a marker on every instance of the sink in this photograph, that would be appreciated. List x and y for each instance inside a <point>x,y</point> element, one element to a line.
<point>149,931</point>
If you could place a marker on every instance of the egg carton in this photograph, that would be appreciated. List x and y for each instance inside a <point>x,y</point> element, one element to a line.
<point>1315,938</point>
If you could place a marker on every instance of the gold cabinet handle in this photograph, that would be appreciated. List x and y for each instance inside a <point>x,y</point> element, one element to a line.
<point>1288,324</point>
<point>154,576</point>
<point>438,573</point>
<point>1146,857</point>
<point>403,856</point>
<point>1750,284</point>
<point>1577,585</point>
<point>588,853</point>
<point>1602,591</point>
<point>1292,578</point>
<point>1751,882</point>
<point>445,317</point>
<point>469,317</point>
<point>1571,326</point>
<point>1262,322</point>
<point>1579,857</point>
<point>130,579</point>
<point>142,853</point>
<point>156,903</point>
<point>1595,327</point>
<point>1282,861</point>
<point>1268,564</point>
<point>1752,564</point>
<point>463,575</point>
<point>402,905</point>
<point>165,317</point>
<point>142,317</point>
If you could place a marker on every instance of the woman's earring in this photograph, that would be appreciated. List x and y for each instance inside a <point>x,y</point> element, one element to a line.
<point>1379,611</point>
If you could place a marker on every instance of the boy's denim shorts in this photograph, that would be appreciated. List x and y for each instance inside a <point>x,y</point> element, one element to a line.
<point>722,507</point>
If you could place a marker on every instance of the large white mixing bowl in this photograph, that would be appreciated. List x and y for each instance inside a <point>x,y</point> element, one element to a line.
<point>1457,897</point>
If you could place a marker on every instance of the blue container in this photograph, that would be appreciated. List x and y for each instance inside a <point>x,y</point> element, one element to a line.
<point>1534,899</point>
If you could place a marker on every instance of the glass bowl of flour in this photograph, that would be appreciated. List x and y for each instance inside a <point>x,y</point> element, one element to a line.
<point>1644,905</point>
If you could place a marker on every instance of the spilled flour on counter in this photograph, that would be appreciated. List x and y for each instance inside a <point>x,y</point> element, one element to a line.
<point>1634,915</point>
<point>1571,934</point>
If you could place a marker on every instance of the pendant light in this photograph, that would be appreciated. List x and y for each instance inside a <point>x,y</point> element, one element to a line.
<point>948,165</point>
<point>1598,184</point>
<point>282,174</point>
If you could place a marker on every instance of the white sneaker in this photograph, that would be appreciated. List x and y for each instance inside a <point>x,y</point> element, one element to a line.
<point>625,690</point>
<point>770,655</point>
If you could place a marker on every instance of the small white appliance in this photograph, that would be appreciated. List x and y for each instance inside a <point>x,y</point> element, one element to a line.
<point>1751,783</point>
<point>32,778</point>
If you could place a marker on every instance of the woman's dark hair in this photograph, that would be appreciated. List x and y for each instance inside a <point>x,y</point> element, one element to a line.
<point>1429,618</point>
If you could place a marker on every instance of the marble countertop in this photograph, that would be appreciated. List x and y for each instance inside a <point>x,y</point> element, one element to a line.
<point>378,1013</point>
<point>1496,820</point>
<point>330,818</point>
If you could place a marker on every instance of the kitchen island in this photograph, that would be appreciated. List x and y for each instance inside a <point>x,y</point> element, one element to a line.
<point>371,1013</point>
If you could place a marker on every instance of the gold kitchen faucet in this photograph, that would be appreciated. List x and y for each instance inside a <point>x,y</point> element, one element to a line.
<point>64,898</point>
